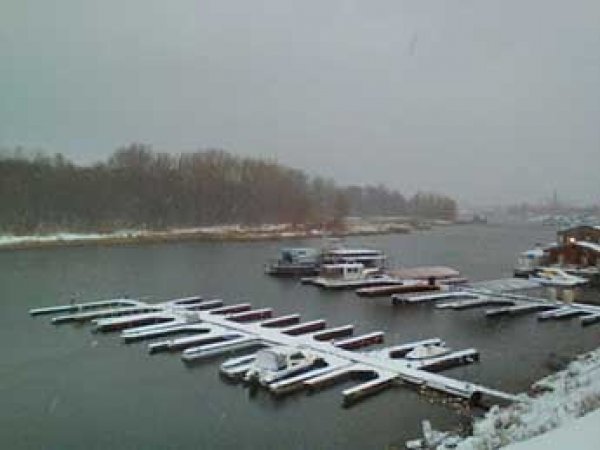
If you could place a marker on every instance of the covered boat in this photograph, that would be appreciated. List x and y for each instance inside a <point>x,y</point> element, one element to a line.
<point>274,363</point>
<point>427,351</point>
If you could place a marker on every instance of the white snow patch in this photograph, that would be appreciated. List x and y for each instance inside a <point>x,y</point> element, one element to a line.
<point>580,434</point>
<point>65,237</point>
<point>562,398</point>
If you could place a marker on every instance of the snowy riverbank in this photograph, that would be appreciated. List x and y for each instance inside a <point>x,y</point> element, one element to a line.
<point>221,232</point>
<point>561,408</point>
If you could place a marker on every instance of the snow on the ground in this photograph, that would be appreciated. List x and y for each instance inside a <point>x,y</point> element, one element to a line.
<point>13,239</point>
<point>579,434</point>
<point>556,402</point>
<point>214,231</point>
<point>217,230</point>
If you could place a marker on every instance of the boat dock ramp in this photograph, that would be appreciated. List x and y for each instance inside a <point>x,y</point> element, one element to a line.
<point>500,295</point>
<point>205,328</point>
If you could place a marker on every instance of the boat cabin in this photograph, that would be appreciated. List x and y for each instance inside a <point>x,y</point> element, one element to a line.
<point>279,358</point>
<point>348,271</point>
<point>299,255</point>
<point>369,258</point>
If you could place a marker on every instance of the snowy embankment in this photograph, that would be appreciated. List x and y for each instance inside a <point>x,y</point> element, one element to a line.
<point>219,232</point>
<point>10,240</point>
<point>553,411</point>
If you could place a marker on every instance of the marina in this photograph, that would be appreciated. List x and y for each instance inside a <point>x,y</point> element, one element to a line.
<point>499,293</point>
<point>95,378</point>
<point>309,355</point>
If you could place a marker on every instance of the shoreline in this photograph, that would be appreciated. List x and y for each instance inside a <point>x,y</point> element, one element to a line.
<point>554,404</point>
<point>224,233</point>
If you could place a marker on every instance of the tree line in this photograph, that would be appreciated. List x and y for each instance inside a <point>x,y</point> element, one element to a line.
<point>141,188</point>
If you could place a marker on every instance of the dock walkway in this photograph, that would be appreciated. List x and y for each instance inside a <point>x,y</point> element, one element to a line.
<point>217,330</point>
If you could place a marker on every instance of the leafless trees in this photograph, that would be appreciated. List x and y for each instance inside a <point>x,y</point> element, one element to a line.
<point>138,187</point>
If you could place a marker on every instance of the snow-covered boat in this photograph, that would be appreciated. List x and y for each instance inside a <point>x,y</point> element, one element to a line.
<point>351,275</point>
<point>369,258</point>
<point>274,363</point>
<point>427,351</point>
<point>553,276</point>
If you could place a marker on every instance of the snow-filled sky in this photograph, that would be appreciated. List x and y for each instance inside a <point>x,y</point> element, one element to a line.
<point>492,101</point>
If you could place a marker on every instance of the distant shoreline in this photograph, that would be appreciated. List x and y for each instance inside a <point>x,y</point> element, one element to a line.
<point>225,233</point>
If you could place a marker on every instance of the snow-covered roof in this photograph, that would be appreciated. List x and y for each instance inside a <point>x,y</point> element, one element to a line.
<point>575,227</point>
<point>589,245</point>
<point>354,252</point>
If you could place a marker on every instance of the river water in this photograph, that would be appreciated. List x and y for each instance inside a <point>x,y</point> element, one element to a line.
<point>63,387</point>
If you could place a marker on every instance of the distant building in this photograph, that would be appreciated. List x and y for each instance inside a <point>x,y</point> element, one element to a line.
<point>581,233</point>
<point>577,246</point>
<point>577,250</point>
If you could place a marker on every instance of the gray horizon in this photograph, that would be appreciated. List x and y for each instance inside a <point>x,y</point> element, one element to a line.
<point>491,102</point>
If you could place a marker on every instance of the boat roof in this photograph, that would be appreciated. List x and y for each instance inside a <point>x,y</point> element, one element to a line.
<point>343,265</point>
<point>354,251</point>
<point>282,350</point>
<point>299,250</point>
<point>589,245</point>
<point>579,226</point>
<point>425,272</point>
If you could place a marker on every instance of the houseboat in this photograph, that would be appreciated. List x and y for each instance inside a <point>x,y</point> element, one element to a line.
<point>351,276</point>
<point>369,258</point>
<point>306,261</point>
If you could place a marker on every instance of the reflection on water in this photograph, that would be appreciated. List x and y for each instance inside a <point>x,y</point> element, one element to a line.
<point>63,387</point>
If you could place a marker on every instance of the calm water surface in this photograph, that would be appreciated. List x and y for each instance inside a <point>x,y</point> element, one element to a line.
<point>66,388</point>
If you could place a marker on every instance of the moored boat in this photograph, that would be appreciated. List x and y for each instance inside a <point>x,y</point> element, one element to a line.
<point>427,351</point>
<point>553,276</point>
<point>351,276</point>
<point>275,363</point>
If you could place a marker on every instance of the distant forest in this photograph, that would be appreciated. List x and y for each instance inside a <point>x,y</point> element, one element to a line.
<point>140,188</point>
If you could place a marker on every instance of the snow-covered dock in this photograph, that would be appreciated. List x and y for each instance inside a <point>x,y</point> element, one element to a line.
<point>212,329</point>
<point>475,303</point>
<point>500,293</point>
<point>430,298</point>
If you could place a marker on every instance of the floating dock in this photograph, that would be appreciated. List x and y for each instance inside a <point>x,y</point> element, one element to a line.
<point>214,330</point>
<point>398,299</point>
<point>500,293</point>
<point>479,302</point>
<point>406,288</point>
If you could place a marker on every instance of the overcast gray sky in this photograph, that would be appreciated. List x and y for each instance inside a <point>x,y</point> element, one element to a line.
<point>491,101</point>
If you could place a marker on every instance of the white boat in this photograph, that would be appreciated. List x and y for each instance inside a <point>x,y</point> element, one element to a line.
<point>427,351</point>
<point>351,275</point>
<point>274,363</point>
<point>528,262</point>
<point>553,276</point>
<point>370,258</point>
